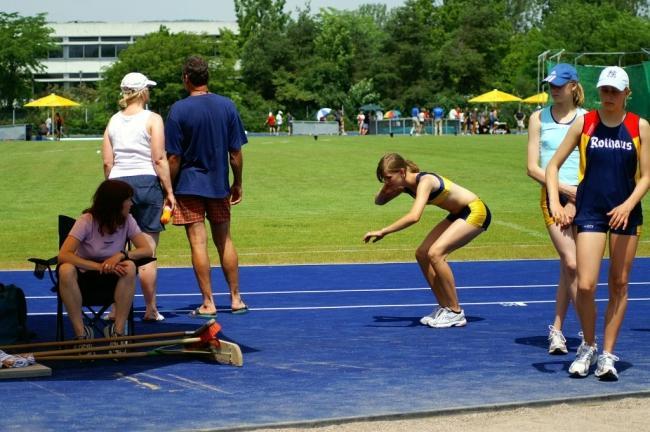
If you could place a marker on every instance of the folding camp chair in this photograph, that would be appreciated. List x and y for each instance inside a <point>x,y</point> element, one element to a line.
<point>92,308</point>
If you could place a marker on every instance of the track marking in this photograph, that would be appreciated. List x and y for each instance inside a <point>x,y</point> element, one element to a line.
<point>522,229</point>
<point>377,306</point>
<point>149,386</point>
<point>355,290</point>
<point>366,306</point>
<point>195,384</point>
<point>45,389</point>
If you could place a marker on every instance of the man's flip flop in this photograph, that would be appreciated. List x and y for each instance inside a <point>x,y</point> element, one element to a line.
<point>196,313</point>
<point>159,317</point>
<point>240,311</point>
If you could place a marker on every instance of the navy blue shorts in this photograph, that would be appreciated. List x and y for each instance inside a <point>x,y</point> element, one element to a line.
<point>603,227</point>
<point>147,202</point>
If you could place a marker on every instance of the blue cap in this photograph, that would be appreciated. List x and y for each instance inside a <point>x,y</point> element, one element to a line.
<point>561,74</point>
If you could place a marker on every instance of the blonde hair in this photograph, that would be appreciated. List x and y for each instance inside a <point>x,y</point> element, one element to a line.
<point>130,96</point>
<point>393,162</point>
<point>578,94</point>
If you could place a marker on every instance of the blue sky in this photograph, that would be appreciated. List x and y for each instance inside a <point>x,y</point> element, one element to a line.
<point>140,10</point>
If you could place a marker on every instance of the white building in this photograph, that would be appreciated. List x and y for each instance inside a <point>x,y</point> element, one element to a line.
<point>87,48</point>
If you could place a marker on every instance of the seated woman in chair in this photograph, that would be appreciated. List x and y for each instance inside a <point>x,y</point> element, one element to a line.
<point>93,257</point>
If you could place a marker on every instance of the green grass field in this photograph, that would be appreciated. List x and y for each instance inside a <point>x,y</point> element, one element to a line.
<point>305,201</point>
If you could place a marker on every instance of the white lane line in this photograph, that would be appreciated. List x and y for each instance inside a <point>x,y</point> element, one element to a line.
<point>368,306</point>
<point>197,384</point>
<point>136,381</point>
<point>523,229</point>
<point>354,290</point>
<point>375,306</point>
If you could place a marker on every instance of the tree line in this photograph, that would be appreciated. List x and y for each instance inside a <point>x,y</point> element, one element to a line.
<point>422,53</point>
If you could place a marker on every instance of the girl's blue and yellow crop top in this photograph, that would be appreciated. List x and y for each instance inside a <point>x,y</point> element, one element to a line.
<point>438,196</point>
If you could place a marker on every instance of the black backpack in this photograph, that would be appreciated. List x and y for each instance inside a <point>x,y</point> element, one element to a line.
<point>13,315</point>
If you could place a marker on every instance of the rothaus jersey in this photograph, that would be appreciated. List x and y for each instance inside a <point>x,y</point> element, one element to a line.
<point>609,168</point>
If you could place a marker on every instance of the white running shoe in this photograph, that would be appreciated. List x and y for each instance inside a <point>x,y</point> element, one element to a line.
<point>425,320</point>
<point>447,319</point>
<point>585,358</point>
<point>606,370</point>
<point>556,341</point>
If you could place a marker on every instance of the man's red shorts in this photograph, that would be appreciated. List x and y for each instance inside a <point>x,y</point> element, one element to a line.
<point>191,208</point>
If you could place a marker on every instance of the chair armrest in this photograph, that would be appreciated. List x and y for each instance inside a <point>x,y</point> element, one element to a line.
<point>40,265</point>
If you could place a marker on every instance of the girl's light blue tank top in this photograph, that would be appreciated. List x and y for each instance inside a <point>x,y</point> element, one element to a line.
<point>551,136</point>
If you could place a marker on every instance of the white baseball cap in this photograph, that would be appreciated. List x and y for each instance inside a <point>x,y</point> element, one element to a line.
<point>136,81</point>
<point>614,76</point>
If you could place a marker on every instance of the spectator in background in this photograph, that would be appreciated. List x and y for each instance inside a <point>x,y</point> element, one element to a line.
<point>270,122</point>
<point>366,124</point>
<point>278,122</point>
<point>289,124</point>
<point>338,116</point>
<point>361,117</point>
<point>42,132</point>
<point>461,120</point>
<point>58,125</point>
<point>438,114</point>
<point>415,118</point>
<point>473,120</point>
<point>493,117</point>
<point>467,123</point>
<point>483,122</point>
<point>453,119</point>
<point>48,124</point>
<point>520,117</point>
<point>421,119</point>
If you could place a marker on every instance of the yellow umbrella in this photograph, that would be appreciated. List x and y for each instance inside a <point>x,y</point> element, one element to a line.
<point>538,99</point>
<point>52,100</point>
<point>495,96</point>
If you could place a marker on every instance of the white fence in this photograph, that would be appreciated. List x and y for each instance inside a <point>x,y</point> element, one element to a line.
<point>315,128</point>
<point>14,132</point>
<point>404,126</point>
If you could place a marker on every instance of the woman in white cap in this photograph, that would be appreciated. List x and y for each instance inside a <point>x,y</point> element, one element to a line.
<point>546,130</point>
<point>278,122</point>
<point>134,152</point>
<point>614,177</point>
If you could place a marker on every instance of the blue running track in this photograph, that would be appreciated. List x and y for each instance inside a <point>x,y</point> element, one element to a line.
<point>332,342</point>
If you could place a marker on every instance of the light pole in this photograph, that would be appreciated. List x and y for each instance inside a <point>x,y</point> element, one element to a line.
<point>14,105</point>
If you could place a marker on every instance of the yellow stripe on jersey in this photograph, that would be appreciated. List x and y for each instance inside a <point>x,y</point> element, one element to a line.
<point>444,193</point>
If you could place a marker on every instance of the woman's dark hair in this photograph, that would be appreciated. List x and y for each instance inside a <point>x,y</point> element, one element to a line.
<point>107,205</point>
<point>196,71</point>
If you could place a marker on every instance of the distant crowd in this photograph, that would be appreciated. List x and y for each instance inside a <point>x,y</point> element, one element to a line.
<point>436,121</point>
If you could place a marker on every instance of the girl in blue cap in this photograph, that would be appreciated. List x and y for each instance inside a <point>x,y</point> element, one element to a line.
<point>546,130</point>
<point>614,177</point>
